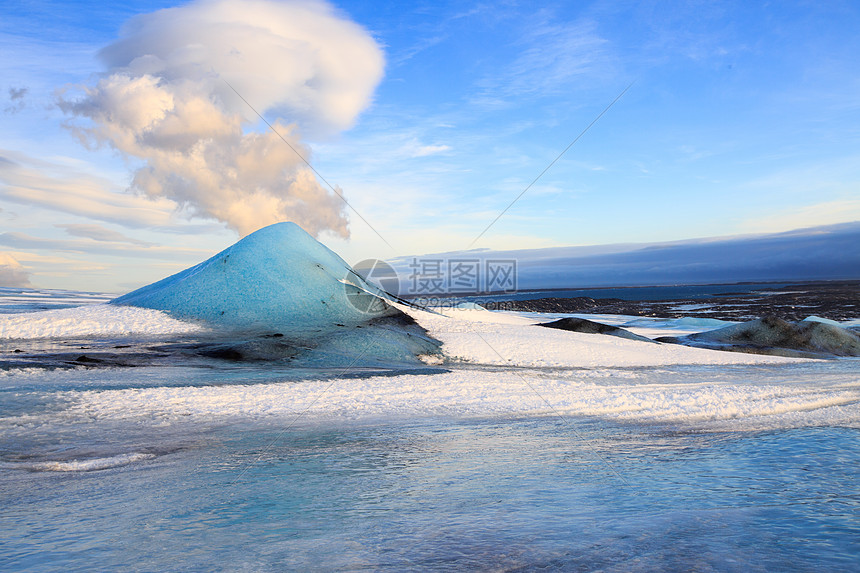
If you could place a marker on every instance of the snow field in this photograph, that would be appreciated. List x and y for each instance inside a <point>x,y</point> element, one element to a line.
<point>484,337</point>
<point>91,321</point>
<point>698,400</point>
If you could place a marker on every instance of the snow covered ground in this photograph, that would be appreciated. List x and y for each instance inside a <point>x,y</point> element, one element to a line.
<point>93,320</point>
<point>702,399</point>
<point>512,339</point>
<point>492,364</point>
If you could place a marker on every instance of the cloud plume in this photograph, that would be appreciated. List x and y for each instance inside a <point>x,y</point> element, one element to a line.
<point>165,100</point>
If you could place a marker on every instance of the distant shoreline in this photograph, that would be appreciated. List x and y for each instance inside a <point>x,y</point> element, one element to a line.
<point>834,300</point>
<point>798,282</point>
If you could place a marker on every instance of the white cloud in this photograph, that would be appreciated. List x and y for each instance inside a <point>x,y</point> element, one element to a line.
<point>94,247</point>
<point>425,150</point>
<point>31,259</point>
<point>165,100</point>
<point>99,233</point>
<point>12,274</point>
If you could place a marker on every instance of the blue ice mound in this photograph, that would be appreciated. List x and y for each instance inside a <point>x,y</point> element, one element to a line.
<point>278,295</point>
<point>277,279</point>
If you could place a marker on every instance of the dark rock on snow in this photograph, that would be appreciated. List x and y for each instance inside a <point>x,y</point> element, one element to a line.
<point>590,327</point>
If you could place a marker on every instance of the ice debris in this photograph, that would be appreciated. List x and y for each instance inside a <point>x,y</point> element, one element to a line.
<point>770,335</point>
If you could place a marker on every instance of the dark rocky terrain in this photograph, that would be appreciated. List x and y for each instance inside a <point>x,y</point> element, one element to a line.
<point>589,327</point>
<point>835,300</point>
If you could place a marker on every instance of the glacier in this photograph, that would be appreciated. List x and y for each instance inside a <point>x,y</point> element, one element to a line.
<point>276,279</point>
<point>281,294</point>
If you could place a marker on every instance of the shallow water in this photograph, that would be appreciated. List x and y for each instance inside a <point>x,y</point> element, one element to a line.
<point>492,494</point>
<point>247,467</point>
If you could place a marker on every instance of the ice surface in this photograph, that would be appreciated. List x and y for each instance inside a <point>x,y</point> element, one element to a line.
<point>657,327</point>
<point>814,318</point>
<point>469,305</point>
<point>737,398</point>
<point>277,279</point>
<point>498,364</point>
<point>685,322</point>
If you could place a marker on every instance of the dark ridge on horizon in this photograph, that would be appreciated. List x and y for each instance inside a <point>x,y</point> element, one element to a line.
<point>834,300</point>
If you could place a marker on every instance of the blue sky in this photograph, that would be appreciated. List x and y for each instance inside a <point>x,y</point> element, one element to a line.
<point>743,118</point>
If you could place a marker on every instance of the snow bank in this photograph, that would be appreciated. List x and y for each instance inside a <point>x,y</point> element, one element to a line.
<point>484,337</point>
<point>92,321</point>
<point>709,400</point>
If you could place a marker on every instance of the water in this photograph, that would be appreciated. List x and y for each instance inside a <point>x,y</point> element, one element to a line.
<point>246,467</point>
<point>491,494</point>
